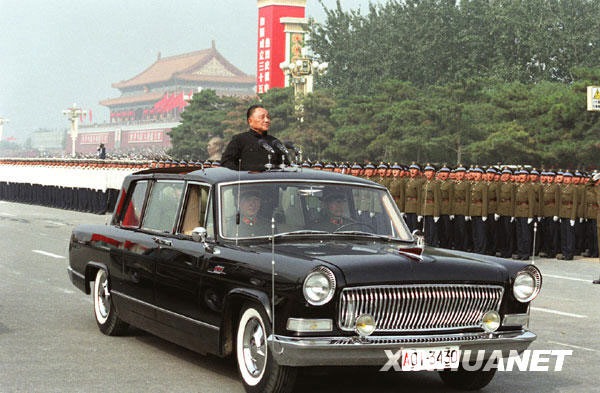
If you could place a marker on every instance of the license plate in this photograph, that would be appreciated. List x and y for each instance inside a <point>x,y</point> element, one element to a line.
<point>438,358</point>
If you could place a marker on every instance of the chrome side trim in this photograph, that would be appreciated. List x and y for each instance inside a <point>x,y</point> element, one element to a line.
<point>74,273</point>
<point>160,309</point>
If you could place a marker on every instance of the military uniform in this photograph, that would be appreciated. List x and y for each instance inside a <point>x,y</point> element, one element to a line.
<point>478,211</point>
<point>445,227</point>
<point>492,222</point>
<point>397,191</point>
<point>429,210</point>
<point>568,215</point>
<point>460,210</point>
<point>590,214</point>
<point>524,212</point>
<point>412,191</point>
<point>506,210</point>
<point>550,228</point>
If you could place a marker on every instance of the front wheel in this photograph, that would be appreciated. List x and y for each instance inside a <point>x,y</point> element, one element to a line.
<point>258,369</point>
<point>106,315</point>
<point>467,380</point>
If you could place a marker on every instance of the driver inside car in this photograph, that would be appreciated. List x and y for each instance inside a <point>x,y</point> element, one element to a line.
<point>334,212</point>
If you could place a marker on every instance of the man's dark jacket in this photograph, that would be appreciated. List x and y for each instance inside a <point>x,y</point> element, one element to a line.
<point>254,157</point>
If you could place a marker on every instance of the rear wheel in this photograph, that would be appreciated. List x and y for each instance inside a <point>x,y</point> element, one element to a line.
<point>467,380</point>
<point>106,315</point>
<point>258,369</point>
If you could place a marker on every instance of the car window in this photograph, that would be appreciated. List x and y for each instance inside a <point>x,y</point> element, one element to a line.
<point>133,210</point>
<point>246,210</point>
<point>196,204</point>
<point>161,212</point>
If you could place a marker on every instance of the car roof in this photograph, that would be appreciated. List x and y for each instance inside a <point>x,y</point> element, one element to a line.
<point>224,175</point>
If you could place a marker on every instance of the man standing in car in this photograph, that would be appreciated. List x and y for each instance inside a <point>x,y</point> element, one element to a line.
<point>249,146</point>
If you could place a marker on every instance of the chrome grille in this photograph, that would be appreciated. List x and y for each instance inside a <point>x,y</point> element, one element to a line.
<point>419,307</point>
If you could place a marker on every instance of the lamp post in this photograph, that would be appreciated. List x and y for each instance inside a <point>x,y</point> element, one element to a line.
<point>73,114</point>
<point>300,74</point>
<point>2,122</point>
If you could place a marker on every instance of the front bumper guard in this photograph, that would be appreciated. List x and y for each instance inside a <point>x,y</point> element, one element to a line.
<point>370,351</point>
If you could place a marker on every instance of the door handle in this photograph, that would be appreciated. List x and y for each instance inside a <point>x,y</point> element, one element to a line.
<point>162,242</point>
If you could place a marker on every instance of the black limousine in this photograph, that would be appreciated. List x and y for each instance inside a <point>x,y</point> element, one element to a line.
<point>292,268</point>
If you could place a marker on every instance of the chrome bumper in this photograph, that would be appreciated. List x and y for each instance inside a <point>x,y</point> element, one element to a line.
<point>353,351</point>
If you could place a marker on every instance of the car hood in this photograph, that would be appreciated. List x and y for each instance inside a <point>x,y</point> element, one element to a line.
<point>369,263</point>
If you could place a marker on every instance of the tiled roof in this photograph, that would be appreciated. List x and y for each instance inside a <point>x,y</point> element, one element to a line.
<point>188,66</point>
<point>132,99</point>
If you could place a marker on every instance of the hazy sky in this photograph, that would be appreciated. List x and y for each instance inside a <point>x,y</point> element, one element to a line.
<point>56,53</point>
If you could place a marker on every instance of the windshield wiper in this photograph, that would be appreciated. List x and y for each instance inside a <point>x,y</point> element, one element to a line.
<point>362,233</point>
<point>301,232</point>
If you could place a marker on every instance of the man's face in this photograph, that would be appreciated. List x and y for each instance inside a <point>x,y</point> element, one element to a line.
<point>396,172</point>
<point>381,171</point>
<point>369,172</point>
<point>442,175</point>
<point>567,180</point>
<point>558,178</point>
<point>460,175</point>
<point>336,207</point>
<point>533,178</point>
<point>576,180</point>
<point>249,205</point>
<point>260,120</point>
<point>429,174</point>
<point>413,172</point>
<point>476,176</point>
<point>550,179</point>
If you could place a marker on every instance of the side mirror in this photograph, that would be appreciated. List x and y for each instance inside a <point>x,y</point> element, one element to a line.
<point>199,234</point>
<point>419,237</point>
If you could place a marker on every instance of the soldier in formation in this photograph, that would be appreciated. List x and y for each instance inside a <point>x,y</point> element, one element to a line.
<point>503,211</point>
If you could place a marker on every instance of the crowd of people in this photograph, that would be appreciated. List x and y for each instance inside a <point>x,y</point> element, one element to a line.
<point>505,211</point>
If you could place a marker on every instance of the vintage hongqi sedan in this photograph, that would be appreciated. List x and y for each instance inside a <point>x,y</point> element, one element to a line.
<point>292,268</point>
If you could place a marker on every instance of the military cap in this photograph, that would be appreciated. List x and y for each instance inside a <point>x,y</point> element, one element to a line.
<point>369,166</point>
<point>491,170</point>
<point>306,164</point>
<point>216,163</point>
<point>444,169</point>
<point>476,169</point>
<point>382,165</point>
<point>460,168</point>
<point>343,165</point>
<point>414,165</point>
<point>396,166</point>
<point>595,176</point>
<point>567,174</point>
<point>329,165</point>
<point>429,167</point>
<point>578,173</point>
<point>550,173</point>
<point>356,165</point>
<point>507,170</point>
<point>534,172</point>
<point>317,164</point>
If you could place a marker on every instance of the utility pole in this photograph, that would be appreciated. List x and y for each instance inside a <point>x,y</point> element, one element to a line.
<point>73,113</point>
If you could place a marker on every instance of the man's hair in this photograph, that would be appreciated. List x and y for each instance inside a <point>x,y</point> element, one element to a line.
<point>251,110</point>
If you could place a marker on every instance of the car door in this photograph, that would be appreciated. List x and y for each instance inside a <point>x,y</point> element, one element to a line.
<point>148,233</point>
<point>180,269</point>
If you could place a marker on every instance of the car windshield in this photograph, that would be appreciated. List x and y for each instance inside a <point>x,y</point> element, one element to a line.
<point>308,209</point>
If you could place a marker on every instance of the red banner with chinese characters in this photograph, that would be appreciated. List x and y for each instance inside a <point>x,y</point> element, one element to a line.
<point>272,40</point>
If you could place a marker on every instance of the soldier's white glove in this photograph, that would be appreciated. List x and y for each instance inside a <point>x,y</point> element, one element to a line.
<point>467,218</point>
<point>403,215</point>
<point>496,217</point>
<point>451,217</point>
<point>572,222</point>
<point>581,220</point>
<point>529,220</point>
<point>555,218</point>
<point>436,219</point>
<point>484,218</point>
<point>539,219</point>
<point>512,219</point>
<point>419,218</point>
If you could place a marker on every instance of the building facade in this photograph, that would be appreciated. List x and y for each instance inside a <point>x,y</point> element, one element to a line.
<point>151,102</point>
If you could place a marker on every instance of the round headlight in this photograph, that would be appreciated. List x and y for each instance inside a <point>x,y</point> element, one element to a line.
<point>319,286</point>
<point>527,285</point>
<point>365,325</point>
<point>490,321</point>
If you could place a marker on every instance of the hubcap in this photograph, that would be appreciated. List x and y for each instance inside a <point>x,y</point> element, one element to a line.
<point>255,347</point>
<point>103,297</point>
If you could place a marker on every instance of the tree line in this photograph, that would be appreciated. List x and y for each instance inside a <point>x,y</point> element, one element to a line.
<point>480,81</point>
